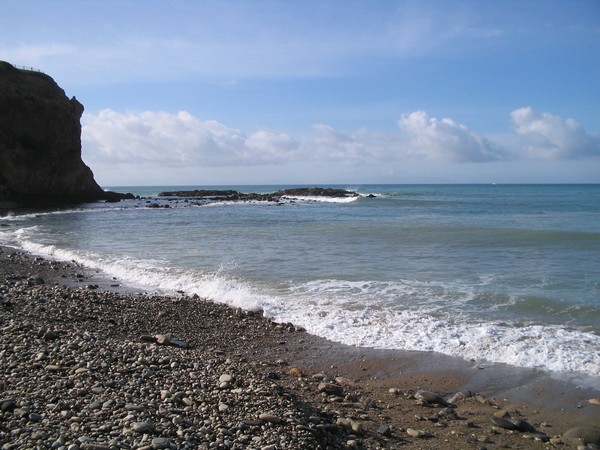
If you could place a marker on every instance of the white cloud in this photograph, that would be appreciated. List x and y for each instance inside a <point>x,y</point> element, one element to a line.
<point>445,140</point>
<point>161,142</point>
<point>551,137</point>
<point>178,140</point>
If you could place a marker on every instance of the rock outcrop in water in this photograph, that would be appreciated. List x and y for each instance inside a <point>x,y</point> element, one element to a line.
<point>231,195</point>
<point>40,142</point>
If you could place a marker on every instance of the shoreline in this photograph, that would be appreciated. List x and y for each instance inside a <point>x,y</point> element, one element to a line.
<point>298,362</point>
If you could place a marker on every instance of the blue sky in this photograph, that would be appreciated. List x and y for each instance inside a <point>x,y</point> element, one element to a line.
<point>315,92</point>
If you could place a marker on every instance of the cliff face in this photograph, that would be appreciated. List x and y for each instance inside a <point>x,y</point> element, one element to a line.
<point>40,141</point>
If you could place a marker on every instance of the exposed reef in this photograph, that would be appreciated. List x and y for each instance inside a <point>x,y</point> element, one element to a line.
<point>231,195</point>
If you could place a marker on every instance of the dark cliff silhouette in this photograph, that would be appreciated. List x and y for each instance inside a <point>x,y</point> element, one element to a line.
<point>40,143</point>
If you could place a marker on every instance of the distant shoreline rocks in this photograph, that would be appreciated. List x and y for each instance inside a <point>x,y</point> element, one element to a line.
<point>232,195</point>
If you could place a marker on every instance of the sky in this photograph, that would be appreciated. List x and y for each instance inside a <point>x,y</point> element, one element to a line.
<point>230,92</point>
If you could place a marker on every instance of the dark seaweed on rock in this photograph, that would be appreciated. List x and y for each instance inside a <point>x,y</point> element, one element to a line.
<point>232,195</point>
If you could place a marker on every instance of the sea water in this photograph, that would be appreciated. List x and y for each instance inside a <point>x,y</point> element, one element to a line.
<point>492,273</point>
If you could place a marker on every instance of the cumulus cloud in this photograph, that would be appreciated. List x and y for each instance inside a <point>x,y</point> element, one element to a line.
<point>445,140</point>
<point>551,137</point>
<point>183,140</point>
<point>178,140</point>
<point>162,141</point>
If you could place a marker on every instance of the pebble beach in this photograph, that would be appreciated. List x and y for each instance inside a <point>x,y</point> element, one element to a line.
<point>88,364</point>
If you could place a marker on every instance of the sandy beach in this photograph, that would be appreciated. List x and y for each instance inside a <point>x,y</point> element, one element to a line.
<point>88,364</point>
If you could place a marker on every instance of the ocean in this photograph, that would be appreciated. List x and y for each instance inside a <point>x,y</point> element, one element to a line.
<point>490,273</point>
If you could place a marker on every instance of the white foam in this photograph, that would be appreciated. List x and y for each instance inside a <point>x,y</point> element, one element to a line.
<point>11,217</point>
<point>359,313</point>
<point>320,199</point>
<point>428,327</point>
<point>152,274</point>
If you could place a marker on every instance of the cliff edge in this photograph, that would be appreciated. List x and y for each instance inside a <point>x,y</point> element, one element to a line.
<point>40,142</point>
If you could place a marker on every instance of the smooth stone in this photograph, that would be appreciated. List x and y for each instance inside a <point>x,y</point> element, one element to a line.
<point>175,342</point>
<point>225,378</point>
<point>133,407</point>
<point>385,430</point>
<point>330,388</point>
<point>523,425</point>
<point>8,404</point>
<point>295,372</point>
<point>142,427</point>
<point>430,397</point>
<point>163,339</point>
<point>503,423</point>
<point>35,417</point>
<point>343,422</point>
<point>95,405</point>
<point>223,407</point>
<point>267,417</point>
<point>178,420</point>
<point>512,424</point>
<point>38,435</point>
<point>92,446</point>
<point>460,395</point>
<point>51,335</point>
<point>161,442</point>
<point>587,433</point>
<point>356,426</point>
<point>343,381</point>
<point>417,433</point>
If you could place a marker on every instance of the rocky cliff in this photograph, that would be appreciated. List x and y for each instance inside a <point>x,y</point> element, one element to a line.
<point>40,142</point>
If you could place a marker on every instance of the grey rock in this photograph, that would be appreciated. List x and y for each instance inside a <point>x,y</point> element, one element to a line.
<point>226,378</point>
<point>501,422</point>
<point>35,417</point>
<point>431,397</point>
<point>330,388</point>
<point>142,427</point>
<point>161,442</point>
<point>587,433</point>
<point>385,430</point>
<point>268,417</point>
<point>95,405</point>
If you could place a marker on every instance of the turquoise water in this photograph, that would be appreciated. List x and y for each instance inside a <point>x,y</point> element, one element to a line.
<point>501,273</point>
